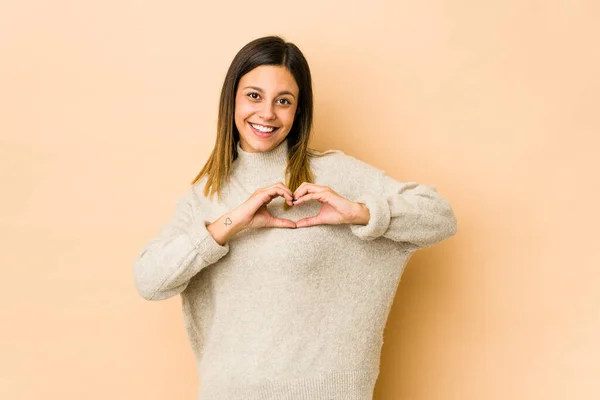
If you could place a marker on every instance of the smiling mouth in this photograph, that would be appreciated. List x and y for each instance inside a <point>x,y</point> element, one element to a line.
<point>263,128</point>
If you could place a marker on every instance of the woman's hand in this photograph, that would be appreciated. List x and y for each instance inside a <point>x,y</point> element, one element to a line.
<point>254,214</point>
<point>335,209</point>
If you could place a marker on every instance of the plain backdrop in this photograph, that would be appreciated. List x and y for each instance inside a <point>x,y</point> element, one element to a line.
<point>108,110</point>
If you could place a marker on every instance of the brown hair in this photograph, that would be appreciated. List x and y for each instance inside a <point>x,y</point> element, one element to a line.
<point>270,50</point>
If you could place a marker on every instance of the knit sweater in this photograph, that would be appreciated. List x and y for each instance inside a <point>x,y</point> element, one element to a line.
<point>284,313</point>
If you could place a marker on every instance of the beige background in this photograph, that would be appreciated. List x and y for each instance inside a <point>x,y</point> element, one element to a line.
<point>108,110</point>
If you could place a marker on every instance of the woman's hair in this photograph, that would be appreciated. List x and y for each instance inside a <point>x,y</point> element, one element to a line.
<point>270,50</point>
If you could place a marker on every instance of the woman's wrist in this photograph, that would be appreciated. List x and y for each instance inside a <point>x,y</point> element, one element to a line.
<point>362,216</point>
<point>225,227</point>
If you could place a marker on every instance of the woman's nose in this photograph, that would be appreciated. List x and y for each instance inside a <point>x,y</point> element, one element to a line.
<point>267,112</point>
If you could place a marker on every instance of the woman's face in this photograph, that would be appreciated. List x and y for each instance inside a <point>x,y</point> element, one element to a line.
<point>265,106</point>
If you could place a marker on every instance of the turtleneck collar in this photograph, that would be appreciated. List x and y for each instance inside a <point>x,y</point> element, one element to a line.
<point>272,160</point>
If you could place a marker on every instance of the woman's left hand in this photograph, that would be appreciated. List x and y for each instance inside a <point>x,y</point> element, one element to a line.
<point>335,209</point>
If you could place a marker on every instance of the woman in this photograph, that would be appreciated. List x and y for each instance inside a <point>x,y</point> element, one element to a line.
<point>286,276</point>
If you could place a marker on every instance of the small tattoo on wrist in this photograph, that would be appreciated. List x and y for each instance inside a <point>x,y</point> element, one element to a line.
<point>228,221</point>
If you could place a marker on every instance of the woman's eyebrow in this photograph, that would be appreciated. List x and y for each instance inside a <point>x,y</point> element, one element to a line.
<point>279,94</point>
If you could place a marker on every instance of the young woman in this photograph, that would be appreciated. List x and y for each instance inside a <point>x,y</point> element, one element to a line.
<point>287,260</point>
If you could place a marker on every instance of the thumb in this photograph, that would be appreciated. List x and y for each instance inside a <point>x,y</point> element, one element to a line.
<point>310,221</point>
<point>281,223</point>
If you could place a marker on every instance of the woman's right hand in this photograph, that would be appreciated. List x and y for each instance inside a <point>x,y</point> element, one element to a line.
<point>254,212</point>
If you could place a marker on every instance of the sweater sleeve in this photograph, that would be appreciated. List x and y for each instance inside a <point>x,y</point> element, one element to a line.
<point>411,213</point>
<point>183,247</point>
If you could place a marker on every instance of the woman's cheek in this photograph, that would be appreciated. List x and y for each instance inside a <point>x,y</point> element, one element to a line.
<point>290,116</point>
<point>249,108</point>
<point>243,107</point>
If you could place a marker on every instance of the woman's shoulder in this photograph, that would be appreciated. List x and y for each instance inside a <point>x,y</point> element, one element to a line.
<point>335,159</point>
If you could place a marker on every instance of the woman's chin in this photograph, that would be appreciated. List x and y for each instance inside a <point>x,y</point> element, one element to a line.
<point>264,144</point>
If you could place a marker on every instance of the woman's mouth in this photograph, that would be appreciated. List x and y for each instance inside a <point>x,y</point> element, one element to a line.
<point>263,131</point>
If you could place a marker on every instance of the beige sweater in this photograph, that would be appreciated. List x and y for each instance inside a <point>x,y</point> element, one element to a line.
<point>291,314</point>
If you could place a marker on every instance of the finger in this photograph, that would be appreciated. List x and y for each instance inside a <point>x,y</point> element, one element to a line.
<point>276,191</point>
<point>308,188</point>
<point>289,195</point>
<point>310,221</point>
<point>302,185</point>
<point>280,191</point>
<point>281,223</point>
<point>319,196</point>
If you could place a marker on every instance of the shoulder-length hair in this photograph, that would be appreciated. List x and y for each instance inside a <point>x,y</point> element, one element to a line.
<point>270,50</point>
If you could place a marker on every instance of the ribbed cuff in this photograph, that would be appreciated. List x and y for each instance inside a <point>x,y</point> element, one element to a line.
<point>205,243</point>
<point>380,217</point>
<point>350,385</point>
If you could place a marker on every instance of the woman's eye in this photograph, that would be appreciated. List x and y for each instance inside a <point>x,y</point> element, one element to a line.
<point>285,101</point>
<point>253,95</point>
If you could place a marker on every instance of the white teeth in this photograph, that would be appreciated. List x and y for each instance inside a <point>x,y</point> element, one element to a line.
<point>262,128</point>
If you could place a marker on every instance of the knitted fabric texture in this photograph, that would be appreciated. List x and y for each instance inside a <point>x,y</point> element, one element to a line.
<point>291,314</point>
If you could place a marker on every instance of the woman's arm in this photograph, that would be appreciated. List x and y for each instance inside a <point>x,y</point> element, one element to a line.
<point>412,213</point>
<point>183,247</point>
